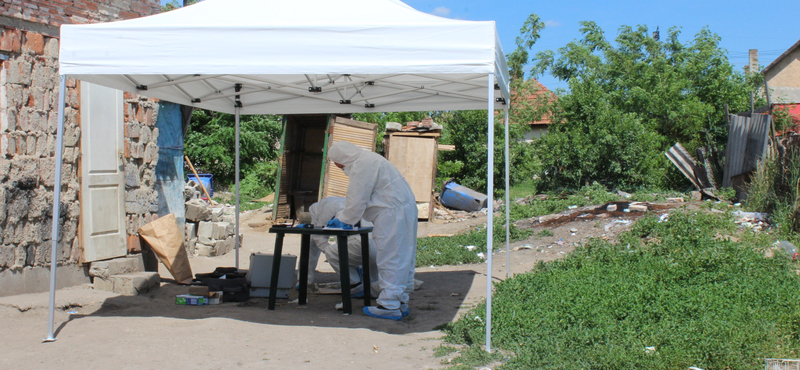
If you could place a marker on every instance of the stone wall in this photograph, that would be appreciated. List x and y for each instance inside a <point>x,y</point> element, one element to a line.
<point>58,12</point>
<point>141,158</point>
<point>28,120</point>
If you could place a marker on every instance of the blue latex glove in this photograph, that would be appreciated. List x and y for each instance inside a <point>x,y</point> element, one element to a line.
<point>335,223</point>
<point>300,225</point>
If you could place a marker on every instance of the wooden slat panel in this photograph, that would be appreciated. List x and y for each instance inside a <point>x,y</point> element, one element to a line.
<point>283,210</point>
<point>414,157</point>
<point>360,134</point>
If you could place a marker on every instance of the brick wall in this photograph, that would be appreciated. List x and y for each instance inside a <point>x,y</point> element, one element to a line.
<point>28,122</point>
<point>58,12</point>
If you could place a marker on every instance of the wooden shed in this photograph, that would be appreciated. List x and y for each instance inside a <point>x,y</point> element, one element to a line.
<point>305,175</point>
<point>415,154</point>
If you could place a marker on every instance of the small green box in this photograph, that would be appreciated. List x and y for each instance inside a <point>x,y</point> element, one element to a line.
<point>190,300</point>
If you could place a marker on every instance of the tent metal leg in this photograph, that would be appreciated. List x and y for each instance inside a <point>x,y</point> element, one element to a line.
<point>490,213</point>
<point>508,198</point>
<point>237,189</point>
<point>56,209</point>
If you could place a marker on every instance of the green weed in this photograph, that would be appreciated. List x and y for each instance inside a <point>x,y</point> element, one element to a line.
<point>698,298</point>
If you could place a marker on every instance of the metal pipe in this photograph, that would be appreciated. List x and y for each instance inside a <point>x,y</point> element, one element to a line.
<point>508,202</point>
<point>237,189</point>
<point>490,213</point>
<point>56,208</point>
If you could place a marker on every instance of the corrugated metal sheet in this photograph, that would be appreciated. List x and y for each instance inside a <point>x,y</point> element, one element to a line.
<point>681,158</point>
<point>747,144</point>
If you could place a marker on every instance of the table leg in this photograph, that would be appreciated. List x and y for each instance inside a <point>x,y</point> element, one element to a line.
<point>344,273</point>
<point>305,245</point>
<point>276,266</point>
<point>365,267</point>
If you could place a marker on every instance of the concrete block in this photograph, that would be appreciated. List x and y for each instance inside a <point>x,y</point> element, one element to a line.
<point>221,230</point>
<point>151,153</point>
<point>197,210</point>
<point>204,250</point>
<point>191,231</point>
<point>144,134</point>
<point>129,284</point>
<point>116,266</point>
<point>7,256</point>
<point>205,229</point>
<point>222,247</point>
<point>205,240</point>
<point>216,214</point>
<point>637,208</point>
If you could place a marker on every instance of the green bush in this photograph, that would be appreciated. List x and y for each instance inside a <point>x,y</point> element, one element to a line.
<point>774,188</point>
<point>697,299</point>
<point>629,101</point>
<point>211,145</point>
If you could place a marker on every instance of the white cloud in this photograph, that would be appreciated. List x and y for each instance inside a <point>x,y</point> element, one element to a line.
<point>441,11</point>
<point>552,23</point>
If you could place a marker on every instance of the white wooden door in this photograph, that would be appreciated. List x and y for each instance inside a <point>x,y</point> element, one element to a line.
<point>103,177</point>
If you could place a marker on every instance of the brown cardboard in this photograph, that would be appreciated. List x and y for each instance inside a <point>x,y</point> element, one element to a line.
<point>166,241</point>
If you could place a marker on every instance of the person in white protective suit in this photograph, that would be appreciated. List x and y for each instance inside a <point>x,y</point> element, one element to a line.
<point>378,193</point>
<point>322,212</point>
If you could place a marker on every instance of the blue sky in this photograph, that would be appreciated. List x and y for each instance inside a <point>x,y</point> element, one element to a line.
<point>769,26</point>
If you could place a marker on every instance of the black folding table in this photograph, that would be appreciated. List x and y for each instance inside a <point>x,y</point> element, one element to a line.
<point>344,263</point>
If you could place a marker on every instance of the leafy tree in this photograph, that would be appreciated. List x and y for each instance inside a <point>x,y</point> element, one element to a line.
<point>630,102</point>
<point>174,4</point>
<point>211,141</point>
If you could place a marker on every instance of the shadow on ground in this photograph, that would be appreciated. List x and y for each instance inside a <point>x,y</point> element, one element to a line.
<point>437,302</point>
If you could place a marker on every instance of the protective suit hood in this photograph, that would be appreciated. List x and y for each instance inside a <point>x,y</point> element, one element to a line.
<point>344,153</point>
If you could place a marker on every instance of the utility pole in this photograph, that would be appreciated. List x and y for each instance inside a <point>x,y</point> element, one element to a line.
<point>656,34</point>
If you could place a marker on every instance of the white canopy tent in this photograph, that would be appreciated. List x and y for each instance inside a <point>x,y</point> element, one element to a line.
<point>304,56</point>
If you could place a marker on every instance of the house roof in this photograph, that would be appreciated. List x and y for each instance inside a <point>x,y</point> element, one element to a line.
<point>779,58</point>
<point>540,92</point>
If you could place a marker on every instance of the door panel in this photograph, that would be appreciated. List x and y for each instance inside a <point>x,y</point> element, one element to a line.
<point>102,186</point>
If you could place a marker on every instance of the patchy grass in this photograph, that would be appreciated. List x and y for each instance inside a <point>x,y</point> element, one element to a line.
<point>463,248</point>
<point>698,298</point>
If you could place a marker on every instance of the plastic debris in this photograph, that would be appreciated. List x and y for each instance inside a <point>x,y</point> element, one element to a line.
<point>790,249</point>
<point>470,247</point>
<point>481,255</point>
<point>526,246</point>
<point>616,222</point>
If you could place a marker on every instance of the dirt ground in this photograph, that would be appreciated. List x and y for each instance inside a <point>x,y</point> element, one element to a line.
<point>101,330</point>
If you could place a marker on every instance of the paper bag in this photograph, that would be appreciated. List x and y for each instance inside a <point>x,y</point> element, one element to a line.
<point>163,236</point>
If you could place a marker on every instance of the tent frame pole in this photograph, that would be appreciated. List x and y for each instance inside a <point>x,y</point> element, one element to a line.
<point>490,209</point>
<point>237,189</point>
<point>56,209</point>
<point>508,199</point>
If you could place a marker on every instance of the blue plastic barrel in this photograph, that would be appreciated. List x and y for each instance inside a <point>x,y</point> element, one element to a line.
<point>459,197</point>
<point>206,179</point>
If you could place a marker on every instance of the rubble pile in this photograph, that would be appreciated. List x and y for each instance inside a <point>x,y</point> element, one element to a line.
<point>210,229</point>
<point>425,125</point>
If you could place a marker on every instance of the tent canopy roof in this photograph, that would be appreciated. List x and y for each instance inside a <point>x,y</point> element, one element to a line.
<point>303,56</point>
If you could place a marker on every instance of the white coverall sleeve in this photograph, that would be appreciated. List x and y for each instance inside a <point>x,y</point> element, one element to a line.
<point>362,181</point>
